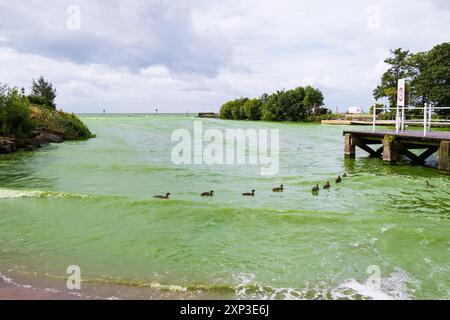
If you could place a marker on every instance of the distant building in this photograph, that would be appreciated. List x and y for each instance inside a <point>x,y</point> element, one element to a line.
<point>355,110</point>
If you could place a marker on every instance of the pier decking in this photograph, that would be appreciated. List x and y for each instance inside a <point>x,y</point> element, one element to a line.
<point>396,144</point>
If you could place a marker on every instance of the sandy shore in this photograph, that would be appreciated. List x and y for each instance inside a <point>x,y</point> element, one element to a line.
<point>10,290</point>
<point>20,286</point>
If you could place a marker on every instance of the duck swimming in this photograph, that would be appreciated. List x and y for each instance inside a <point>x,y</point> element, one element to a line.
<point>338,179</point>
<point>430,185</point>
<point>280,189</point>
<point>208,194</point>
<point>248,194</point>
<point>344,175</point>
<point>163,197</point>
<point>315,189</point>
<point>327,186</point>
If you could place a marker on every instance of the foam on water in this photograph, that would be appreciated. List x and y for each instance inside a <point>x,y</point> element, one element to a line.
<point>6,279</point>
<point>393,287</point>
<point>12,194</point>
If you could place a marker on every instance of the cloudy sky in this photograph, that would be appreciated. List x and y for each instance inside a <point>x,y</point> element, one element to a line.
<point>134,55</point>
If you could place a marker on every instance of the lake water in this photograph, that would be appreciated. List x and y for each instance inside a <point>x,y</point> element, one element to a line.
<point>91,204</point>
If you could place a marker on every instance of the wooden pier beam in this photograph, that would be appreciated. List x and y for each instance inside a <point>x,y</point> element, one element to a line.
<point>373,153</point>
<point>430,151</point>
<point>389,149</point>
<point>349,148</point>
<point>444,159</point>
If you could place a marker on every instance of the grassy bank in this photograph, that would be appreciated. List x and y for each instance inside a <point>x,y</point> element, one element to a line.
<point>67,123</point>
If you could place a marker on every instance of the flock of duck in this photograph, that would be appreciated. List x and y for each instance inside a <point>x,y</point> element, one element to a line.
<point>315,190</point>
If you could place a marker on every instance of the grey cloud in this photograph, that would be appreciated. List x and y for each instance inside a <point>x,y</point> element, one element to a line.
<point>120,34</point>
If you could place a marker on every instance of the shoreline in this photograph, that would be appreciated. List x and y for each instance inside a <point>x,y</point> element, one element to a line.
<point>11,290</point>
<point>40,137</point>
<point>20,286</point>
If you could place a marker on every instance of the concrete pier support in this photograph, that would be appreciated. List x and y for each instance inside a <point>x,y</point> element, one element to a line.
<point>390,154</point>
<point>444,159</point>
<point>349,147</point>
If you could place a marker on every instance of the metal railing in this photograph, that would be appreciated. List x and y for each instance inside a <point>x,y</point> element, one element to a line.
<point>400,117</point>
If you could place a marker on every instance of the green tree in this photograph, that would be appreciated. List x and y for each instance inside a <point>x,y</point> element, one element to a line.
<point>264,98</point>
<point>313,101</point>
<point>293,104</point>
<point>378,107</point>
<point>432,82</point>
<point>225,110</point>
<point>44,91</point>
<point>417,62</point>
<point>272,110</point>
<point>400,67</point>
<point>237,111</point>
<point>252,109</point>
<point>233,109</point>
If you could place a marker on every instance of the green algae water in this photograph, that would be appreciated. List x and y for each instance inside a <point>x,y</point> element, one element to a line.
<point>91,204</point>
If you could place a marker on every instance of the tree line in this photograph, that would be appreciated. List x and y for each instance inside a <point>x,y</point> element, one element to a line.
<point>299,104</point>
<point>429,75</point>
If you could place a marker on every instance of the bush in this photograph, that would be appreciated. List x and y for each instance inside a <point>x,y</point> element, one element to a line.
<point>37,100</point>
<point>268,116</point>
<point>73,126</point>
<point>15,116</point>
<point>387,115</point>
<point>327,116</point>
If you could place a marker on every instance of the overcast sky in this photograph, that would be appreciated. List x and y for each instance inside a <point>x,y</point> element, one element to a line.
<point>131,56</point>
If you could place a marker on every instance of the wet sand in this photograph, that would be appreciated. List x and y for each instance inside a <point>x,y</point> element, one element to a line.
<point>19,286</point>
<point>13,291</point>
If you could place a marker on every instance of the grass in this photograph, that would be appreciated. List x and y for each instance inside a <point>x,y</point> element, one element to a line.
<point>66,123</point>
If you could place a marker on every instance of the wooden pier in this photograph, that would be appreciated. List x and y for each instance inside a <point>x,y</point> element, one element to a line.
<point>396,144</point>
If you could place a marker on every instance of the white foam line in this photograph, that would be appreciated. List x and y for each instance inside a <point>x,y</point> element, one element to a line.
<point>365,290</point>
<point>12,194</point>
<point>8,280</point>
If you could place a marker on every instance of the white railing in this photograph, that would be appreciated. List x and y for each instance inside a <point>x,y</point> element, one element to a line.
<point>400,118</point>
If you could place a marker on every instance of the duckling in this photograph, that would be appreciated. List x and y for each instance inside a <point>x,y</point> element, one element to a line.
<point>280,189</point>
<point>327,186</point>
<point>315,189</point>
<point>429,185</point>
<point>163,197</point>
<point>208,194</point>
<point>344,175</point>
<point>248,194</point>
<point>338,179</point>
